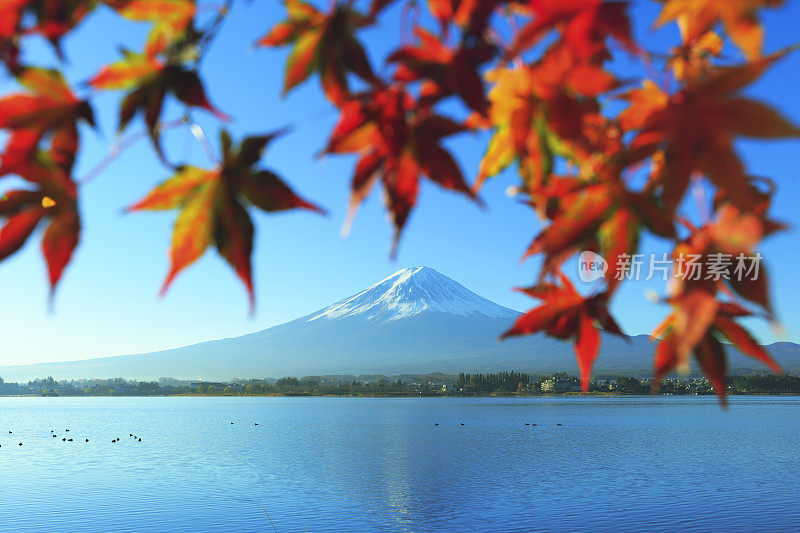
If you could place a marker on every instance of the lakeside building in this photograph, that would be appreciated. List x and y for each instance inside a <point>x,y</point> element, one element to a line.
<point>215,384</point>
<point>560,385</point>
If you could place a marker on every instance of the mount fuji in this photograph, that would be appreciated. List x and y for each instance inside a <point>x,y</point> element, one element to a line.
<point>410,292</point>
<point>414,321</point>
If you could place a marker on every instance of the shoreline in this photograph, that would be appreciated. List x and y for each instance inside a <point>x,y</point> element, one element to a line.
<point>592,394</point>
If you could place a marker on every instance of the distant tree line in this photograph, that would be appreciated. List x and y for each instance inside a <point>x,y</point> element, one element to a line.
<point>493,383</point>
<point>502,383</point>
<point>287,386</point>
<point>766,383</point>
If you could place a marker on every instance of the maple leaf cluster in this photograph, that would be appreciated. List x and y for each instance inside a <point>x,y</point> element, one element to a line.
<point>44,137</point>
<point>537,75</point>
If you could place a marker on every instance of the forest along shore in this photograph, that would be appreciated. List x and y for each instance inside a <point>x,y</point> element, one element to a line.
<point>406,385</point>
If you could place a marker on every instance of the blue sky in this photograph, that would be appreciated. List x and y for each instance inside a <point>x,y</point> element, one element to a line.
<point>107,302</point>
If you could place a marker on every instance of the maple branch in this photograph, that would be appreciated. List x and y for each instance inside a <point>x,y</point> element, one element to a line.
<point>513,26</point>
<point>408,19</point>
<point>210,32</point>
<point>121,145</point>
<point>653,73</point>
<point>209,6</point>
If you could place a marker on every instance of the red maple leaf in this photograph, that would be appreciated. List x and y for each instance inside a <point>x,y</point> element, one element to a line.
<point>322,43</point>
<point>445,70</point>
<point>696,127</point>
<point>696,327</point>
<point>54,199</point>
<point>212,207</point>
<point>52,19</point>
<point>566,314</point>
<point>49,109</point>
<point>397,143</point>
<point>584,24</point>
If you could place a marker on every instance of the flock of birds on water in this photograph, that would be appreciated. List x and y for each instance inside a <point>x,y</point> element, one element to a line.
<point>53,434</point>
<point>462,423</point>
<point>136,438</point>
<point>133,437</point>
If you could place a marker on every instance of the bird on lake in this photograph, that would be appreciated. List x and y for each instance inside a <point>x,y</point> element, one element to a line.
<point>63,439</point>
<point>256,423</point>
<point>9,432</point>
<point>20,444</point>
<point>558,424</point>
<point>140,439</point>
<point>66,430</point>
<point>69,440</point>
<point>533,424</point>
<point>87,440</point>
<point>436,423</point>
<point>527,424</point>
<point>54,435</point>
<point>462,423</point>
<point>130,434</point>
<point>113,440</point>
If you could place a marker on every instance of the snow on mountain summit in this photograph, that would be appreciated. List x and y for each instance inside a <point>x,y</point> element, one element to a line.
<point>412,291</point>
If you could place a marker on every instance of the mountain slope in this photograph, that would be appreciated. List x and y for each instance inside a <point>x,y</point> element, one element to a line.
<point>414,321</point>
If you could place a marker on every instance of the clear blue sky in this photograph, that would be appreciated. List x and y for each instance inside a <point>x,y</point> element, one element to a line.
<point>107,302</point>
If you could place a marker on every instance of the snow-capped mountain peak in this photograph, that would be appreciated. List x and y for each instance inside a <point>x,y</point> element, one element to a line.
<point>409,292</point>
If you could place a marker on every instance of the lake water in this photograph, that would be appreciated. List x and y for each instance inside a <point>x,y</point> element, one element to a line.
<point>357,464</point>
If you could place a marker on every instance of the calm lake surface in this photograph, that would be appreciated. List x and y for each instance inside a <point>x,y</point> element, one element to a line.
<point>353,464</point>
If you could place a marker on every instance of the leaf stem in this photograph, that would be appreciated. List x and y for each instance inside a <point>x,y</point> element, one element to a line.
<point>699,194</point>
<point>201,137</point>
